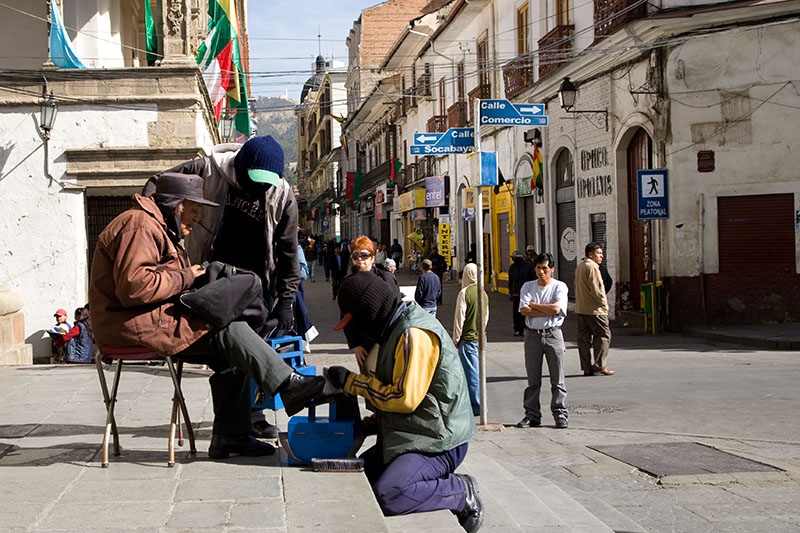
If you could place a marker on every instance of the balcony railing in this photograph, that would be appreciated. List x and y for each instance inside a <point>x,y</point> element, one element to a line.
<point>518,75</point>
<point>376,176</point>
<point>457,115</point>
<point>605,20</point>
<point>554,48</point>
<point>483,92</point>
<point>437,123</point>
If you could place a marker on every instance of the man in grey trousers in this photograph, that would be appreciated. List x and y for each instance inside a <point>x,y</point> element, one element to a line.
<point>591,306</point>
<point>543,303</point>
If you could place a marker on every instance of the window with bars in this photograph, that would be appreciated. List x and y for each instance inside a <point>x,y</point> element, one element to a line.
<point>100,210</point>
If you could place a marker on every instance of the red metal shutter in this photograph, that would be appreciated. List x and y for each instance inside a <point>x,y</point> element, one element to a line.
<point>762,224</point>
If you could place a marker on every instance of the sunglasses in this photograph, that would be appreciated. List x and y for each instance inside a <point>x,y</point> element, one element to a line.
<point>361,255</point>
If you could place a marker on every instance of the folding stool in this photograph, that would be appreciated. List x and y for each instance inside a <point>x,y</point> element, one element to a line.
<point>142,354</point>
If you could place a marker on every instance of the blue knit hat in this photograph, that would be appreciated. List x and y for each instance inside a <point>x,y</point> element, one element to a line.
<point>261,160</point>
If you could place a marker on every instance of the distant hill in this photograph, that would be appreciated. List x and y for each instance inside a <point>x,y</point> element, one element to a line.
<point>275,116</point>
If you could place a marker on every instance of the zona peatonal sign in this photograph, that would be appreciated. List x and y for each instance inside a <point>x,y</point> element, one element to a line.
<point>453,141</point>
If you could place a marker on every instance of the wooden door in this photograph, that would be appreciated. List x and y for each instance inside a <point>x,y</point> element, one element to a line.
<point>640,157</point>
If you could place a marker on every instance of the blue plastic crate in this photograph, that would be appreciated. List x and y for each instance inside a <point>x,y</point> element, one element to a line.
<point>319,437</point>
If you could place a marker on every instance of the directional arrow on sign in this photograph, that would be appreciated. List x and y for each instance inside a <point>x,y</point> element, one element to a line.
<point>533,110</point>
<point>426,138</point>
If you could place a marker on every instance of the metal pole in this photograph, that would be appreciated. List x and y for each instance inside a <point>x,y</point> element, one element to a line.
<point>479,259</point>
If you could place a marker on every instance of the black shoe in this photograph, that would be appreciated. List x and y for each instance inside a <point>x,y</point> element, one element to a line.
<point>471,517</point>
<point>264,430</point>
<point>528,423</point>
<point>248,446</point>
<point>561,423</point>
<point>298,390</point>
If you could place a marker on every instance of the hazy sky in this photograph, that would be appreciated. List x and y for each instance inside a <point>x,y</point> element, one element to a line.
<point>283,40</point>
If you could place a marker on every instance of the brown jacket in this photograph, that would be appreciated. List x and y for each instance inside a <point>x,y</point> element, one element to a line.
<point>136,273</point>
<point>590,293</point>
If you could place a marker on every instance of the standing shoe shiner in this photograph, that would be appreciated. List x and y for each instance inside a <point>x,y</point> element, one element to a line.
<point>591,306</point>
<point>543,303</point>
<point>421,401</point>
<point>138,270</point>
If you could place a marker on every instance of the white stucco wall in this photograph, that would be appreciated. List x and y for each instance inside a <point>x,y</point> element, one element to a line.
<point>731,93</point>
<point>42,226</point>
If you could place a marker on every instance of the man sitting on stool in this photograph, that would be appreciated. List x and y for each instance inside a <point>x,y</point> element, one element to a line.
<point>139,267</point>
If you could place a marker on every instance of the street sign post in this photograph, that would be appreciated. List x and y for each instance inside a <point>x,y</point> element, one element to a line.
<point>652,194</point>
<point>453,141</point>
<point>504,113</point>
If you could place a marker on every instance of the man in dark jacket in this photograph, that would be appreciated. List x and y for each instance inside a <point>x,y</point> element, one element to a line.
<point>337,267</point>
<point>520,272</point>
<point>422,406</point>
<point>429,288</point>
<point>138,269</point>
<point>439,267</point>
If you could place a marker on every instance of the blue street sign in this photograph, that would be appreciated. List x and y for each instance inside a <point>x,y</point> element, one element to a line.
<point>652,192</point>
<point>504,113</point>
<point>453,141</point>
<point>427,138</point>
<point>488,168</point>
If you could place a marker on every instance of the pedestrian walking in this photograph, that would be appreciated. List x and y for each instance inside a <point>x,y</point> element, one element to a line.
<point>530,254</point>
<point>439,267</point>
<point>591,305</point>
<point>337,267</point>
<point>543,303</point>
<point>465,332</point>
<point>519,273</point>
<point>396,253</point>
<point>429,288</point>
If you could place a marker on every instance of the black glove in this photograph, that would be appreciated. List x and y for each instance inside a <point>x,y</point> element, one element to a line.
<point>337,375</point>
<point>283,313</point>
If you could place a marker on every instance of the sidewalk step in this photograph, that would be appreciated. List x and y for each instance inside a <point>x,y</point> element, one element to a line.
<point>438,521</point>
<point>518,500</point>
<point>333,502</point>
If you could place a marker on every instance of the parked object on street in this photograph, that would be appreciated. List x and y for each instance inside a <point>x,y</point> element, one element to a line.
<point>543,303</point>
<point>465,332</point>
<point>591,306</point>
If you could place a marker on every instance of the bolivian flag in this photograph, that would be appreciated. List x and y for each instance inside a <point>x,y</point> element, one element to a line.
<point>221,64</point>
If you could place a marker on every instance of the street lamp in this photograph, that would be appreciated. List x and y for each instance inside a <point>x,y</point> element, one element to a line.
<point>226,125</point>
<point>568,93</point>
<point>47,116</point>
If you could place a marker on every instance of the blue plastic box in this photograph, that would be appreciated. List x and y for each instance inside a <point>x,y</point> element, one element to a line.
<point>290,349</point>
<point>319,437</point>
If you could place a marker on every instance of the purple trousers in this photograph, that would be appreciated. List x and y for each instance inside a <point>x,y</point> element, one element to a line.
<point>416,482</point>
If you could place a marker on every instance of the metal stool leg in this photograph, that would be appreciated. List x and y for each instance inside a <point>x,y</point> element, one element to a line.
<point>178,396</point>
<point>104,388</point>
<point>110,416</point>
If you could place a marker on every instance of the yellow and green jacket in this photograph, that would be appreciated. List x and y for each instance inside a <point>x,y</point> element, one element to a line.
<point>419,388</point>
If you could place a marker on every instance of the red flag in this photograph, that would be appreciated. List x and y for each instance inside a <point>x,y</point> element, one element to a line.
<point>348,189</point>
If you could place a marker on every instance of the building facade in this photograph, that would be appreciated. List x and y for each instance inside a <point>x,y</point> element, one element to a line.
<point>118,122</point>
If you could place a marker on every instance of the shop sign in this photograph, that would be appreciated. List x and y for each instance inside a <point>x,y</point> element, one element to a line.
<point>594,186</point>
<point>523,186</point>
<point>444,243</point>
<point>471,194</point>
<point>381,194</point>
<point>419,214</point>
<point>367,205</point>
<point>412,199</point>
<point>434,191</point>
<point>378,210</point>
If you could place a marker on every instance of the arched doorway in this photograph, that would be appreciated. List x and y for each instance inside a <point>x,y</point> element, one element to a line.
<point>566,236</point>
<point>640,157</point>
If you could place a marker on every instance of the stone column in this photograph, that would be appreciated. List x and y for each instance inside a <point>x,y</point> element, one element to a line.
<point>175,18</point>
<point>13,350</point>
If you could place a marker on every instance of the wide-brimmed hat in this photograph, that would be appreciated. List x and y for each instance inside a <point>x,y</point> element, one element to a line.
<point>174,185</point>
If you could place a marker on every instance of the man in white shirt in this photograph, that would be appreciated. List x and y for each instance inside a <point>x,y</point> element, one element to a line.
<point>543,303</point>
